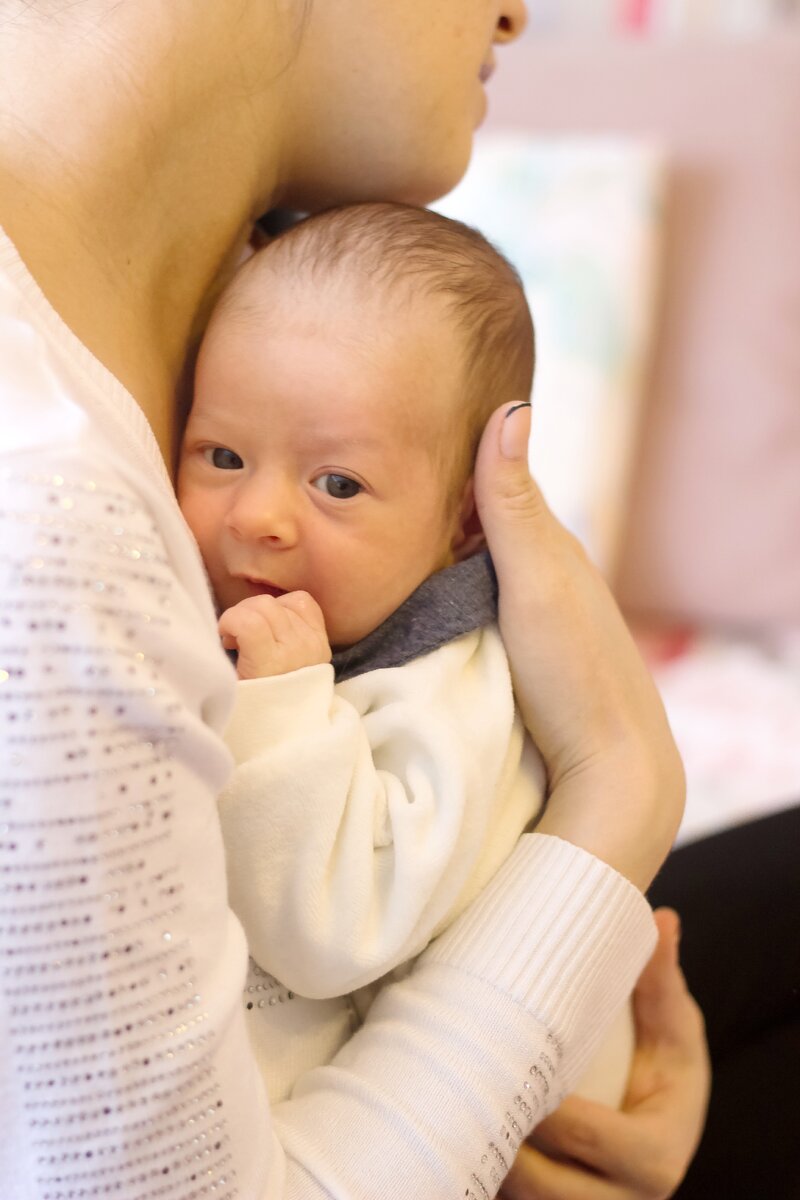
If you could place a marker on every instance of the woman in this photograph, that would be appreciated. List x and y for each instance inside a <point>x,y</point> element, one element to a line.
<point>140,142</point>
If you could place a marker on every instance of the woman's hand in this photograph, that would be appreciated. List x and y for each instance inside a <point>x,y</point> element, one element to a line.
<point>615,780</point>
<point>586,1151</point>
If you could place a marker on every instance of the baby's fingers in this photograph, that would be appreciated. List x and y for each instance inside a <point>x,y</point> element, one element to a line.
<point>275,634</point>
<point>303,605</point>
<point>252,617</point>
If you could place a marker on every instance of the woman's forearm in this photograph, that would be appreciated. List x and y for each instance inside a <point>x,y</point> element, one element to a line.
<point>456,1064</point>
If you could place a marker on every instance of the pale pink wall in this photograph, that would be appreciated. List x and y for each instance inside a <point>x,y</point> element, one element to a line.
<point>714,530</point>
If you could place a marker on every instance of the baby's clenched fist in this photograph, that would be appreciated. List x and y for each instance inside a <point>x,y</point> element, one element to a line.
<point>275,634</point>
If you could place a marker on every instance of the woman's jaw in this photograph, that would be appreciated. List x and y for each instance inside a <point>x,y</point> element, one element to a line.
<point>392,115</point>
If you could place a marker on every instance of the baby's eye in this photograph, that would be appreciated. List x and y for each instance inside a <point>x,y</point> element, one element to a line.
<point>341,487</point>
<point>222,458</point>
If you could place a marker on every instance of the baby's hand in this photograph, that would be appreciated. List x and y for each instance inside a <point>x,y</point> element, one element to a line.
<point>275,634</point>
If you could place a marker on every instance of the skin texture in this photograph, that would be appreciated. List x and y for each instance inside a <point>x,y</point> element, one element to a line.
<point>303,467</point>
<point>138,144</point>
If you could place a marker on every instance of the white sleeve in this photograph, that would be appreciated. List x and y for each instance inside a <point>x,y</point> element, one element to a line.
<point>121,966</point>
<point>357,816</point>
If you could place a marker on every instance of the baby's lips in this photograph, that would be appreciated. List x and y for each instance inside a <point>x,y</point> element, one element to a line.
<point>262,587</point>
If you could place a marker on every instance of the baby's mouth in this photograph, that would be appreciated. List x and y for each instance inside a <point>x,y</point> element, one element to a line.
<point>261,587</point>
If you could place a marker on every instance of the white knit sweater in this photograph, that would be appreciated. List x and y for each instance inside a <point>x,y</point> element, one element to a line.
<point>125,1067</point>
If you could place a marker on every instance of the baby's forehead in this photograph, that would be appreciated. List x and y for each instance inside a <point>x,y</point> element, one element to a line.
<point>390,320</point>
<point>268,296</point>
<point>273,278</point>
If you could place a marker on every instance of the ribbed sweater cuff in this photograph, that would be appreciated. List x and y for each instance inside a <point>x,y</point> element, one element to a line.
<point>559,931</point>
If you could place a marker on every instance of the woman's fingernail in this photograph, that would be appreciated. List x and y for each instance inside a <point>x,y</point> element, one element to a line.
<point>516,431</point>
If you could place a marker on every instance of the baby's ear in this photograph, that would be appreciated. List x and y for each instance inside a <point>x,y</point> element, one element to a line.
<point>468,538</point>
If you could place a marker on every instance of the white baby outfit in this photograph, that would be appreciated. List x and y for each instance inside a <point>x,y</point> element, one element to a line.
<point>387,802</point>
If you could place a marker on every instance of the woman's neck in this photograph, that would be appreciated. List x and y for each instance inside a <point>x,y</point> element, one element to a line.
<point>129,200</point>
<point>138,303</point>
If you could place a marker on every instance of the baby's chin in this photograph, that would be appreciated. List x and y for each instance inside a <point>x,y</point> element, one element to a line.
<point>344,635</point>
<point>344,638</point>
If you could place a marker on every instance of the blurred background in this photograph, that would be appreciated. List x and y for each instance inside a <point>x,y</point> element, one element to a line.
<point>640,165</point>
<point>659,16</point>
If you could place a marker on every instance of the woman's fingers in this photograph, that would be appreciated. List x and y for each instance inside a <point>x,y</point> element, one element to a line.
<point>535,1176</point>
<point>634,1153</point>
<point>666,1013</point>
<point>586,1151</point>
<point>671,1068</point>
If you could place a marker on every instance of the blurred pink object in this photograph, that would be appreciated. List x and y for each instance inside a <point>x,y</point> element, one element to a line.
<point>661,644</point>
<point>734,708</point>
<point>635,14</point>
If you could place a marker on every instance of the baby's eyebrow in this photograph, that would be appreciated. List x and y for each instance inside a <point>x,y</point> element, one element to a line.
<point>202,424</point>
<point>323,440</point>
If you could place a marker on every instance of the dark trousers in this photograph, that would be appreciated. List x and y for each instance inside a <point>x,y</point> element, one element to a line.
<point>738,895</point>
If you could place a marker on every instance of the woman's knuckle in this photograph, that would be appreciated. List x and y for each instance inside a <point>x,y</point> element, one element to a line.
<point>581,1139</point>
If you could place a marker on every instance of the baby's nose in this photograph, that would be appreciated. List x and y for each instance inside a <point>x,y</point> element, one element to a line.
<point>264,512</point>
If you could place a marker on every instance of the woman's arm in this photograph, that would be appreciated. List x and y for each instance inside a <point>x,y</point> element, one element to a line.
<point>617,788</point>
<point>457,1063</point>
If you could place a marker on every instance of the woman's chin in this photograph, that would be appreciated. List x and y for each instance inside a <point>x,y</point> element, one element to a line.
<point>439,177</point>
<point>406,179</point>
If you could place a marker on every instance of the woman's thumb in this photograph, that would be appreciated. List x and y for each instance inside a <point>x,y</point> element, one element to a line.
<point>661,998</point>
<point>509,503</point>
<point>515,431</point>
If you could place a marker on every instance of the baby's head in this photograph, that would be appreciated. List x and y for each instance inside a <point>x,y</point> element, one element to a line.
<point>341,391</point>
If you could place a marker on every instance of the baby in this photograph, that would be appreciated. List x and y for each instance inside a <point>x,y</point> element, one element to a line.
<point>382,771</point>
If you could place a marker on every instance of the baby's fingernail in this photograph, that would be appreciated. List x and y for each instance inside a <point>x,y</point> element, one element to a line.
<point>516,430</point>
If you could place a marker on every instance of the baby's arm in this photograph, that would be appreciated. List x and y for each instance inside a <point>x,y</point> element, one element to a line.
<point>359,819</point>
<point>275,634</point>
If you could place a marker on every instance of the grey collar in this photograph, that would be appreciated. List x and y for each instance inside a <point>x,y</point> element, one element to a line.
<point>450,603</point>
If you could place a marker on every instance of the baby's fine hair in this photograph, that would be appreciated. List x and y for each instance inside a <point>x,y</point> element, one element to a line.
<point>387,245</point>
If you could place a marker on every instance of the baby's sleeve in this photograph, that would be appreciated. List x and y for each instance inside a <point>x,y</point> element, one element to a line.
<point>361,818</point>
